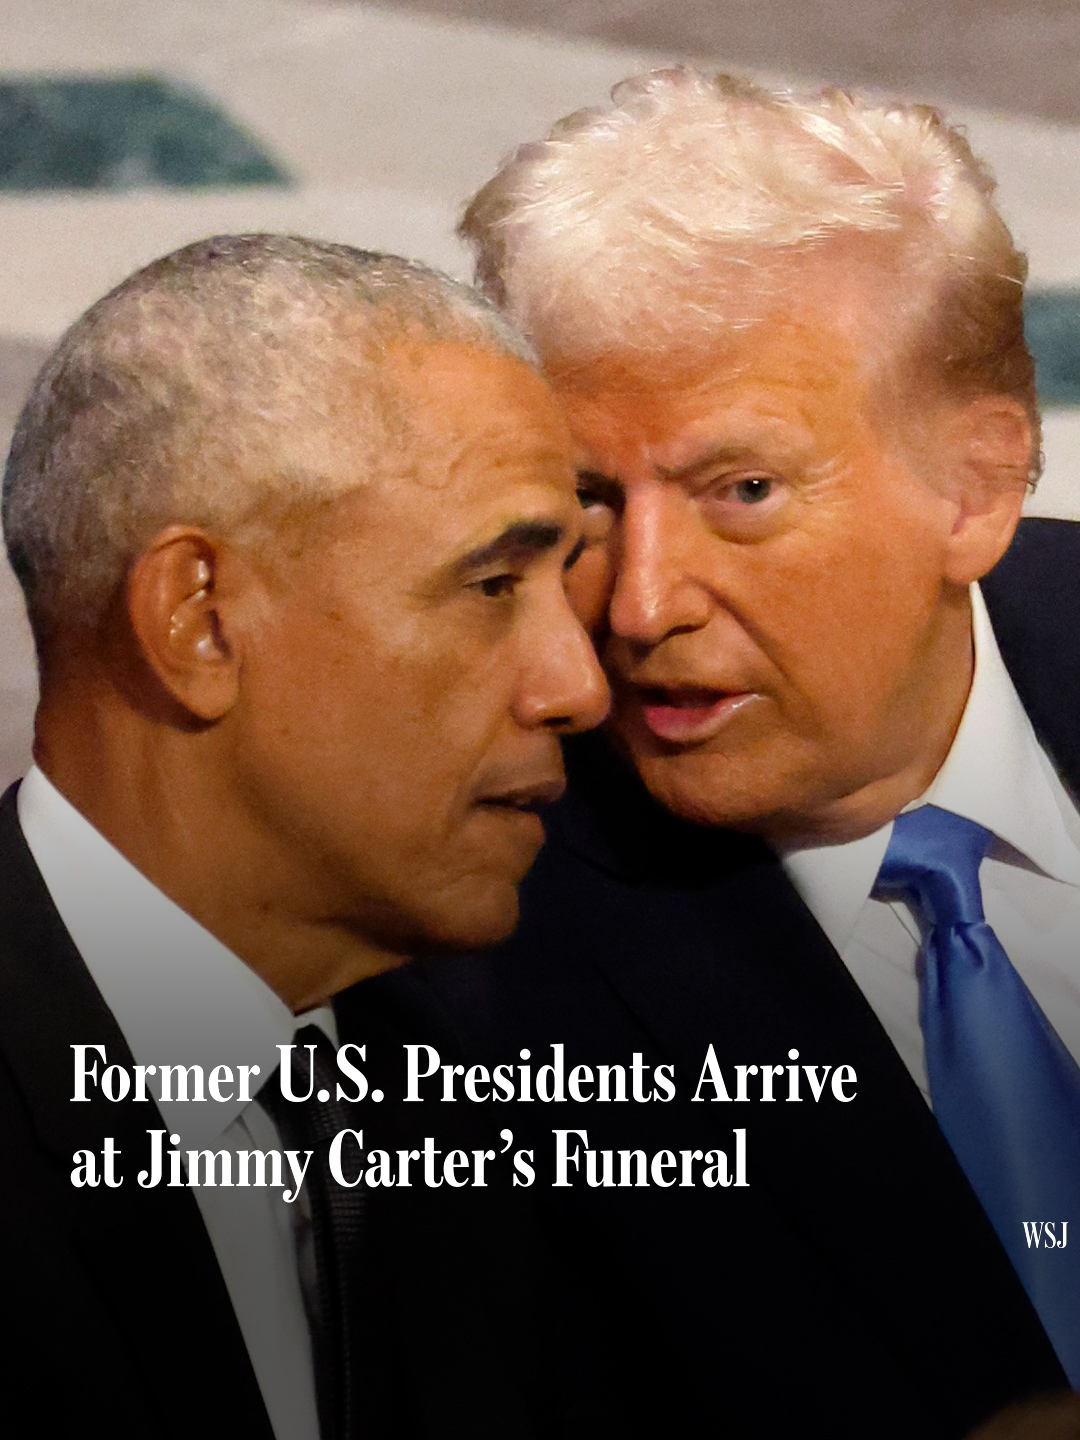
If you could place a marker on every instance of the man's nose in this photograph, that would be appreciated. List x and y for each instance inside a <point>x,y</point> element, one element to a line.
<point>655,591</point>
<point>562,687</point>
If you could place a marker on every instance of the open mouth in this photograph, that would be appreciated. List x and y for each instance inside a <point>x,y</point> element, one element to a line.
<point>684,714</point>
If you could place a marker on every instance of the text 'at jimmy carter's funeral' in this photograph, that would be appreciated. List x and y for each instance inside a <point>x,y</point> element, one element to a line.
<point>427,1078</point>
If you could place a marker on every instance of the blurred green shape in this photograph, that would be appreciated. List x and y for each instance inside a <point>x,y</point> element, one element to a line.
<point>1052,323</point>
<point>109,132</point>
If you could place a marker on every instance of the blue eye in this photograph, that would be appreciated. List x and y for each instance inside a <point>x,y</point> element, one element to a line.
<point>754,490</point>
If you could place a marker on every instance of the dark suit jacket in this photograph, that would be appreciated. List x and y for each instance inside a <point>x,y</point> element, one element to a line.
<point>854,1288</point>
<point>119,1321</point>
<point>117,1311</point>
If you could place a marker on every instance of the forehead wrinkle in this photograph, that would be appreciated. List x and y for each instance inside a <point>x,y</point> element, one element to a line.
<point>739,434</point>
<point>460,423</point>
<point>444,459</point>
<point>714,455</point>
<point>665,417</point>
<point>791,409</point>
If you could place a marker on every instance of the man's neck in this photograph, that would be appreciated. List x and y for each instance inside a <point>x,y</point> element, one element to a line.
<point>161,808</point>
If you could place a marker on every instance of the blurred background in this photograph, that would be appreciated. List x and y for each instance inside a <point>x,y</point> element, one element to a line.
<point>129,127</point>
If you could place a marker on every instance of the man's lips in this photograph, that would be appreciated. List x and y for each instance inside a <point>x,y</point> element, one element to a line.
<point>687,714</point>
<point>523,799</point>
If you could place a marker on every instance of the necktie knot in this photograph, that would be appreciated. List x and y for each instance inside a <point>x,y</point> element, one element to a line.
<point>933,861</point>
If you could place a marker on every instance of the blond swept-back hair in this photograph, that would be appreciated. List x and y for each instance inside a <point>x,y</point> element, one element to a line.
<point>210,388</point>
<point>653,225</point>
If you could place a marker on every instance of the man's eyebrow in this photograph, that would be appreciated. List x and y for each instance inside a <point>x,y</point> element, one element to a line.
<point>520,541</point>
<point>718,455</point>
<point>597,480</point>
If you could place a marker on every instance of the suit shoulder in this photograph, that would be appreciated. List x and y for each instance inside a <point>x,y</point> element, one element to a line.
<point>1039,572</point>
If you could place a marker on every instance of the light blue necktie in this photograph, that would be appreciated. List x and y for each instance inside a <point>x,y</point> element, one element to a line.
<point>1004,1089</point>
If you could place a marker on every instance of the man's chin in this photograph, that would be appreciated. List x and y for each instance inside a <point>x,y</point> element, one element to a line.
<point>787,804</point>
<point>710,790</point>
<point>485,920</point>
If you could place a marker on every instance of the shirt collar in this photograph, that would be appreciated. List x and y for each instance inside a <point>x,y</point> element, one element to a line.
<point>835,881</point>
<point>996,773</point>
<point>179,996</point>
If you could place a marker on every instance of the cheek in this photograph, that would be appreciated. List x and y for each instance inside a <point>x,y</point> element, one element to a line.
<point>334,701</point>
<point>852,635</point>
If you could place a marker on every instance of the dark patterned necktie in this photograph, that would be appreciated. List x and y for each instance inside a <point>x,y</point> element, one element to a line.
<point>336,1224</point>
<point>1004,1089</point>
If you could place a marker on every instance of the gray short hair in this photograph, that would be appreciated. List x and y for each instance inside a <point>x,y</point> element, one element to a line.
<point>652,225</point>
<point>198,391</point>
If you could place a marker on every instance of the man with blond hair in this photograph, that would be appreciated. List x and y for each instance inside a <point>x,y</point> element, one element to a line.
<point>292,522</point>
<point>788,338</point>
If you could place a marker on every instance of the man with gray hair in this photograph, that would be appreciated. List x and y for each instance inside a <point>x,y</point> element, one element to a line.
<point>788,338</point>
<point>292,521</point>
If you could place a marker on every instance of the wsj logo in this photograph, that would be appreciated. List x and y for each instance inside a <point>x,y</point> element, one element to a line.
<point>1042,1231</point>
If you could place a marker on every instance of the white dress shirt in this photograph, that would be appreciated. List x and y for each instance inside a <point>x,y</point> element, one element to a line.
<point>997,774</point>
<point>180,997</point>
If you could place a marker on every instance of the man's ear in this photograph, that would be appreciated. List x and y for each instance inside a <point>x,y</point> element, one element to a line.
<point>990,452</point>
<point>176,614</point>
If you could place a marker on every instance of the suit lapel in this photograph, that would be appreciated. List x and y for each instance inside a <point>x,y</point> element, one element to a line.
<point>147,1248</point>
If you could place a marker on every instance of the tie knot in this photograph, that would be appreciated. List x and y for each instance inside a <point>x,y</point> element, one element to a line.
<point>933,861</point>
